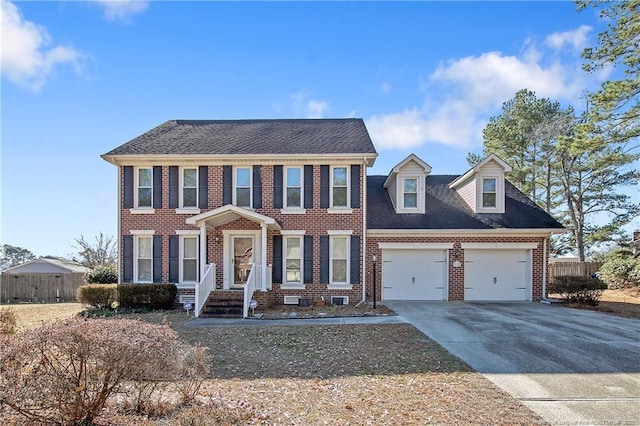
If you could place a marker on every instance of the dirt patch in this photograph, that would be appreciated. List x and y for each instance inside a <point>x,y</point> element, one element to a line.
<point>622,302</point>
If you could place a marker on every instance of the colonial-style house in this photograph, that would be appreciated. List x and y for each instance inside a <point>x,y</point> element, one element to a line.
<point>283,210</point>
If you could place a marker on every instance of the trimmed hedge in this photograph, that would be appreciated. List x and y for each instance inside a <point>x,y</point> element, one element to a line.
<point>98,295</point>
<point>153,296</point>
<point>581,290</point>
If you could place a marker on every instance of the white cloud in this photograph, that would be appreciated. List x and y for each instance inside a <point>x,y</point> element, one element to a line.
<point>122,10</point>
<point>577,38</point>
<point>316,109</point>
<point>304,105</point>
<point>463,93</point>
<point>26,58</point>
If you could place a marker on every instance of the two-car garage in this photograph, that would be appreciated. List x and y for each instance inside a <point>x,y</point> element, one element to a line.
<point>492,271</point>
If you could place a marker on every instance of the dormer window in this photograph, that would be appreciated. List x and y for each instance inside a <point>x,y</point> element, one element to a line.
<point>410,193</point>
<point>489,192</point>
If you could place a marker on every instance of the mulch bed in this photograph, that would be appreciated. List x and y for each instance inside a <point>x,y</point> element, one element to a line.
<point>326,311</point>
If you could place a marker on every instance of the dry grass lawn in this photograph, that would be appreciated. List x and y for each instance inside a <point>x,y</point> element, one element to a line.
<point>623,302</point>
<point>34,315</point>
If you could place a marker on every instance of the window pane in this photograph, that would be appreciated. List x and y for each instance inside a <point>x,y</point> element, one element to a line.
<point>293,197</point>
<point>243,177</point>
<point>189,196</point>
<point>489,185</point>
<point>340,248</point>
<point>243,197</point>
<point>144,197</point>
<point>293,248</point>
<point>144,248</point>
<point>293,176</point>
<point>340,176</point>
<point>144,270</point>
<point>293,271</point>
<point>190,248</point>
<point>144,177</point>
<point>190,270</point>
<point>410,185</point>
<point>190,178</point>
<point>489,200</point>
<point>339,271</point>
<point>340,197</point>
<point>411,200</point>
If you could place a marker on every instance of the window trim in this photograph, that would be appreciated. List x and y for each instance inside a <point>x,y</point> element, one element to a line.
<point>347,185</point>
<point>402,193</point>
<point>499,205</point>
<point>181,257</point>
<point>137,208</point>
<point>136,251</point>
<point>285,187</point>
<point>332,237</point>
<point>182,188</point>
<point>235,186</point>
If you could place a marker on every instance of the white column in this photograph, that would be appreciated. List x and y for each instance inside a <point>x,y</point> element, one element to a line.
<point>203,249</point>
<point>263,241</point>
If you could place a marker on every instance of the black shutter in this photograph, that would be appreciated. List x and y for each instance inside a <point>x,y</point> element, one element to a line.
<point>308,259</point>
<point>203,187</point>
<point>157,187</point>
<point>277,187</point>
<point>324,187</point>
<point>324,259</point>
<point>257,187</point>
<point>355,186</point>
<point>276,274</point>
<point>174,187</point>
<point>127,258</point>
<point>227,185</point>
<point>355,259</point>
<point>157,258</point>
<point>308,187</point>
<point>127,201</point>
<point>174,258</point>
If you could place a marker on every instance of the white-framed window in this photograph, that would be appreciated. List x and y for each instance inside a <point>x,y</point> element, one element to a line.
<point>144,187</point>
<point>189,258</point>
<point>410,193</point>
<point>339,259</point>
<point>143,265</point>
<point>340,187</point>
<point>489,192</point>
<point>293,259</point>
<point>242,186</point>
<point>189,188</point>
<point>293,187</point>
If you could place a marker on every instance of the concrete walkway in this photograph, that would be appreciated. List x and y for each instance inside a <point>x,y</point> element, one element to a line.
<point>567,365</point>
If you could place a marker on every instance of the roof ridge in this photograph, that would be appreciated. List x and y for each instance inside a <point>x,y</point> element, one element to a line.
<point>258,120</point>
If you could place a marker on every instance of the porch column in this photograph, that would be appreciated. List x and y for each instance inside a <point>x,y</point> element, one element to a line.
<point>203,250</point>
<point>263,240</point>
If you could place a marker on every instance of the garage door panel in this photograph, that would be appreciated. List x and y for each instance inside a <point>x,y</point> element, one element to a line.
<point>499,275</point>
<point>414,274</point>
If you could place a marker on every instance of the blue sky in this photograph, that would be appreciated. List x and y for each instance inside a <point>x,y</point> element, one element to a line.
<point>80,78</point>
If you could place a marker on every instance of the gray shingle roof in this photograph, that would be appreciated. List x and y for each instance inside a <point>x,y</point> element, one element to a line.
<point>445,209</point>
<point>251,137</point>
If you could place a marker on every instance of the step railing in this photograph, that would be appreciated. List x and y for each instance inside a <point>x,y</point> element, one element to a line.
<point>204,287</point>
<point>254,282</point>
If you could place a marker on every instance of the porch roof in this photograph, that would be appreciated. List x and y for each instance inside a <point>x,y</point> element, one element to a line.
<point>229,213</point>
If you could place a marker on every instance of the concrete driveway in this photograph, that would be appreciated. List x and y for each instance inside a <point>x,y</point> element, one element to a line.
<point>567,365</point>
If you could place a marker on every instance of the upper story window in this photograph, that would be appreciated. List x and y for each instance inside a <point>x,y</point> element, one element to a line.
<point>242,190</point>
<point>145,187</point>
<point>293,191</point>
<point>339,187</point>
<point>410,193</point>
<point>489,192</point>
<point>144,259</point>
<point>189,188</point>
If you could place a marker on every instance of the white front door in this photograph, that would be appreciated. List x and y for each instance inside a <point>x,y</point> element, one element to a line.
<point>242,250</point>
<point>414,274</point>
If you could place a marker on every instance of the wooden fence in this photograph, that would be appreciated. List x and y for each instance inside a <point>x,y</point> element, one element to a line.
<point>39,288</point>
<point>574,269</point>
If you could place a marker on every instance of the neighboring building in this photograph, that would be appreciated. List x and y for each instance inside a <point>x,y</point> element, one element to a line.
<point>288,204</point>
<point>47,265</point>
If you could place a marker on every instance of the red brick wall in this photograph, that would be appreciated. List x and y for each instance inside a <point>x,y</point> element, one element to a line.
<point>456,274</point>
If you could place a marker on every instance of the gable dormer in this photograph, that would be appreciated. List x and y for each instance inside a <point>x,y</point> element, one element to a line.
<point>482,187</point>
<point>405,185</point>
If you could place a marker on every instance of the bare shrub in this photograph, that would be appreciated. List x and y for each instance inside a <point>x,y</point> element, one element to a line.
<point>581,290</point>
<point>65,372</point>
<point>8,321</point>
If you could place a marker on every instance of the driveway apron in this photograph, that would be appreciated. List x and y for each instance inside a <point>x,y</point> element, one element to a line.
<point>567,365</point>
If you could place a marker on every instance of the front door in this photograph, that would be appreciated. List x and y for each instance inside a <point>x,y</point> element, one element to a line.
<point>242,247</point>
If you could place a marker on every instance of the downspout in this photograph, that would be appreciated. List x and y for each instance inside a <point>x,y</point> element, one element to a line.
<point>545,265</point>
<point>120,248</point>
<point>364,234</point>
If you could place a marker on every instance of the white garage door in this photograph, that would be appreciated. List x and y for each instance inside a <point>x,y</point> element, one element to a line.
<point>414,274</point>
<point>501,275</point>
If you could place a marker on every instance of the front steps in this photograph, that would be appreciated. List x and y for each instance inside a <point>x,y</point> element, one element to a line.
<point>223,304</point>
